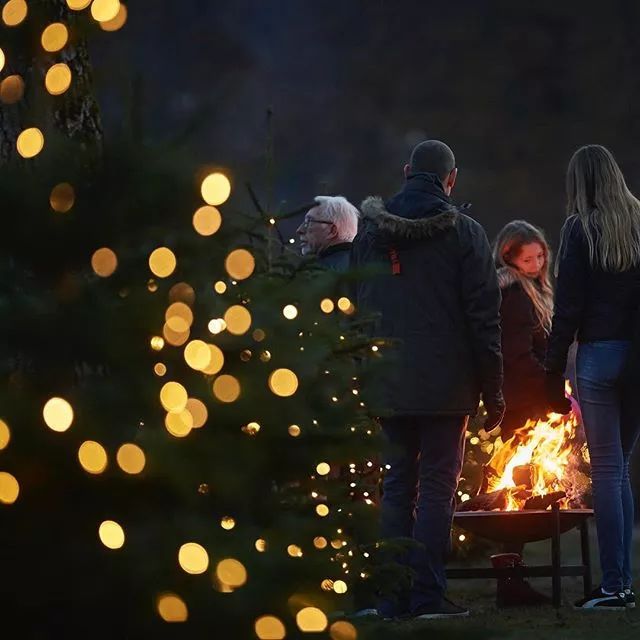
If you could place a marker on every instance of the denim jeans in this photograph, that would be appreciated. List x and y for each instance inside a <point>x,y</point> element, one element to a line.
<point>425,456</point>
<point>611,416</point>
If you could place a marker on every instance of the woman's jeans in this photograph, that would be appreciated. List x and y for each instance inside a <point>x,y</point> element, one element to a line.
<point>611,416</point>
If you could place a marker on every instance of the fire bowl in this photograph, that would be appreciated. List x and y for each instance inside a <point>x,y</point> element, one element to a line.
<point>518,526</point>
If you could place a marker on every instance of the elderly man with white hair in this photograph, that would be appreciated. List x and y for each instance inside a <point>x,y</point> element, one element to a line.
<point>328,230</point>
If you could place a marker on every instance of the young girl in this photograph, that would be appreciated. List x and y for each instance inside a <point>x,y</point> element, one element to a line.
<point>523,257</point>
<point>598,297</point>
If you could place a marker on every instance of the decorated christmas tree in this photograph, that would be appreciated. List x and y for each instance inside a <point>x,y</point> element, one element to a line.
<point>182,431</point>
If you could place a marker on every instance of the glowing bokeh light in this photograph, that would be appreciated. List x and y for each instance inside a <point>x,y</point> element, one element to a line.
<point>162,262</point>
<point>92,457</point>
<point>62,197</point>
<point>182,292</point>
<point>159,368</point>
<point>174,338</point>
<point>327,305</point>
<point>30,142</point>
<point>116,23</point>
<point>9,488</point>
<point>54,37</point>
<point>2,59</point>
<point>198,411</point>
<point>111,534</point>
<point>215,189</point>
<point>217,361</point>
<point>78,5</point>
<point>14,12</point>
<point>220,287</point>
<point>231,572</point>
<point>179,317</point>
<point>283,382</point>
<point>227,523</point>
<point>290,312</point>
<point>261,545</point>
<point>323,469</point>
<point>104,262</point>
<point>207,220</point>
<point>58,414</point>
<point>197,355</point>
<point>240,264</point>
<point>173,397</point>
<point>105,10</point>
<point>340,586</point>
<point>58,79</point>
<point>322,510</point>
<point>131,458</point>
<point>294,551</point>
<point>193,558</point>
<point>270,628</point>
<point>237,319</point>
<point>311,620</point>
<point>180,424</point>
<point>226,388</point>
<point>11,89</point>
<point>157,343</point>
<point>5,435</point>
<point>294,430</point>
<point>343,630</point>
<point>172,608</point>
<point>320,542</point>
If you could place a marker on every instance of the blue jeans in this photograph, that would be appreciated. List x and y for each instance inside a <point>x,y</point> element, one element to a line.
<point>425,455</point>
<point>611,416</point>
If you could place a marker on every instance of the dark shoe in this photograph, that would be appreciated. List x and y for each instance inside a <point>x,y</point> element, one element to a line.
<point>516,592</point>
<point>598,600</point>
<point>446,609</point>
<point>630,598</point>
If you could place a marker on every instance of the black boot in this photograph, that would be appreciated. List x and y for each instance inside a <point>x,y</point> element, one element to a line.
<point>514,590</point>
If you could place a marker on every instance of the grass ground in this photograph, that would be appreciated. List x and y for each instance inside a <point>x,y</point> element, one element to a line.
<point>526,623</point>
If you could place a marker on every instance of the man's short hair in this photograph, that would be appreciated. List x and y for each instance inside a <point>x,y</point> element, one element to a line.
<point>432,156</point>
<point>342,213</point>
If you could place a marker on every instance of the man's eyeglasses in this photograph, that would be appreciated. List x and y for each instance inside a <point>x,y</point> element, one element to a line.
<point>307,221</point>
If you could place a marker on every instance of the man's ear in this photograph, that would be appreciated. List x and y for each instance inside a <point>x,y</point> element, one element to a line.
<point>406,170</point>
<point>450,181</point>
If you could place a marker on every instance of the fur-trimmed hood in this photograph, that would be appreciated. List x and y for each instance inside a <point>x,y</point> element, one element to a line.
<point>506,277</point>
<point>374,210</point>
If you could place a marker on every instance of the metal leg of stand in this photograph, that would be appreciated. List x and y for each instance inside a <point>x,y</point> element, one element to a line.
<point>586,556</point>
<point>555,557</point>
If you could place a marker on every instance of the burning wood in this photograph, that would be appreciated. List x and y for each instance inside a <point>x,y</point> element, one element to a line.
<point>540,465</point>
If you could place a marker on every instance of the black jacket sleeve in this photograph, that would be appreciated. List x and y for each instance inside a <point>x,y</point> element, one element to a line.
<point>481,302</point>
<point>571,290</point>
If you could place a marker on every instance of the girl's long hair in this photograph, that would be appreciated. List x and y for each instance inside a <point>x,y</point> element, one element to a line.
<point>506,248</point>
<point>609,212</point>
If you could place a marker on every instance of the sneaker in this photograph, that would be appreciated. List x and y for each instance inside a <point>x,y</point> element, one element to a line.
<point>630,598</point>
<point>447,609</point>
<point>601,601</point>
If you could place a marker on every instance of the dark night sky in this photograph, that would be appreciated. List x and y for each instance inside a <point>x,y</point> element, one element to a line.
<point>514,87</point>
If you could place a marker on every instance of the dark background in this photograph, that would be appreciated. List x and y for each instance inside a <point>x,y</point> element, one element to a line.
<point>513,87</point>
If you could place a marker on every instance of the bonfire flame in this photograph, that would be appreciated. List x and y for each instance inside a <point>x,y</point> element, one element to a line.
<point>543,457</point>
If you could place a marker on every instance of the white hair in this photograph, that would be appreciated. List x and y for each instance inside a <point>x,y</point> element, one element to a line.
<point>342,213</point>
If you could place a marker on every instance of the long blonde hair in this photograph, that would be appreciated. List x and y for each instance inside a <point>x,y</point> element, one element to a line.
<point>609,212</point>
<point>507,247</point>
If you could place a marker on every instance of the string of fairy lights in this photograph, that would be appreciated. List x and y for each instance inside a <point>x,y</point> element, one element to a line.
<point>182,412</point>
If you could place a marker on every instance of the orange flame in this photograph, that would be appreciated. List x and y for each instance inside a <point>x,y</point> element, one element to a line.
<point>553,455</point>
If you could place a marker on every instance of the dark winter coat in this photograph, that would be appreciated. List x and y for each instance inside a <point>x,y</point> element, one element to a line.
<point>590,303</point>
<point>524,344</point>
<point>436,294</point>
<point>336,257</point>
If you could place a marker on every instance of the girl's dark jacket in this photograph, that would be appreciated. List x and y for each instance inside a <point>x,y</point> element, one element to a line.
<point>437,296</point>
<point>524,344</point>
<point>591,303</point>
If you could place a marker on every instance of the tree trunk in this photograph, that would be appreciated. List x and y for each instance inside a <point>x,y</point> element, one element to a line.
<point>75,114</point>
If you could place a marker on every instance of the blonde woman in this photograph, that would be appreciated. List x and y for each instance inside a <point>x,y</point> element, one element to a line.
<point>523,257</point>
<point>597,298</point>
